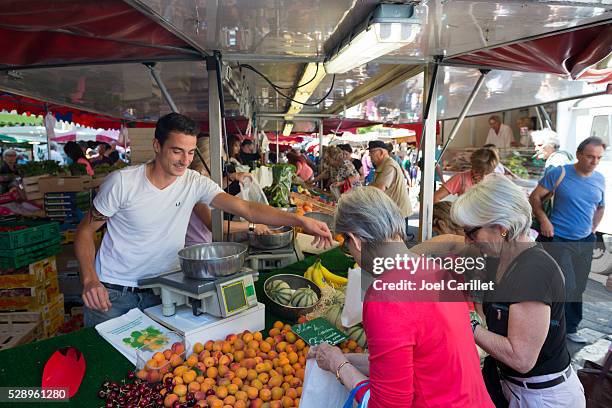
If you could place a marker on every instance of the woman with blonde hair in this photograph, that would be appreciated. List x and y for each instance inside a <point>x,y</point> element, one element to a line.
<point>483,162</point>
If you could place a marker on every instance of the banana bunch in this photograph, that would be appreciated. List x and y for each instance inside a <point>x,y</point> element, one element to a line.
<point>322,276</point>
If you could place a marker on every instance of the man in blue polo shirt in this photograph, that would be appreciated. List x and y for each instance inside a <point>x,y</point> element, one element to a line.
<point>578,208</point>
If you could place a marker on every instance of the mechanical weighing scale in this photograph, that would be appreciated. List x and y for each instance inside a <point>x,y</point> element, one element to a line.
<point>206,309</point>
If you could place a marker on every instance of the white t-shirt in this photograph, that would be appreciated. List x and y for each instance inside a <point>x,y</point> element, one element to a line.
<point>146,225</point>
<point>502,139</point>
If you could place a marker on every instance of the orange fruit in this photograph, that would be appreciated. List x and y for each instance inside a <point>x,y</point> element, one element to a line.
<point>251,374</point>
<point>265,347</point>
<point>280,347</point>
<point>275,381</point>
<point>257,336</point>
<point>253,344</point>
<point>247,337</point>
<point>257,384</point>
<point>232,389</point>
<point>169,400</point>
<point>263,377</point>
<point>192,360</point>
<point>229,400</point>
<point>242,373</point>
<point>278,325</point>
<point>241,396</point>
<point>300,344</point>
<point>291,393</point>
<point>274,332</point>
<point>226,347</point>
<point>240,404</point>
<point>293,357</point>
<point>178,371</point>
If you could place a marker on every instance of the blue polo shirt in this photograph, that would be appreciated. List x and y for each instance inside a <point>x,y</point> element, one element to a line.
<point>576,200</point>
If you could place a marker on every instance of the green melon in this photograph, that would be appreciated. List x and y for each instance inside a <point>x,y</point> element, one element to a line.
<point>334,314</point>
<point>337,298</point>
<point>358,334</point>
<point>304,297</point>
<point>279,291</point>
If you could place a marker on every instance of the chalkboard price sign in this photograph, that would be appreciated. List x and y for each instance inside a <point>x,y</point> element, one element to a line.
<point>319,331</point>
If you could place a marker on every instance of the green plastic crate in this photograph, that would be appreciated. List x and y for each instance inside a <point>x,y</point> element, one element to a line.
<point>27,258</point>
<point>13,253</point>
<point>36,232</point>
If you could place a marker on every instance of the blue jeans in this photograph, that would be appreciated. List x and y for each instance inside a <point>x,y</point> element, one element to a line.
<point>122,302</point>
<point>574,258</point>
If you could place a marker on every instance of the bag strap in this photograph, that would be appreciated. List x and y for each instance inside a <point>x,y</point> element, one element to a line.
<point>559,180</point>
<point>351,397</point>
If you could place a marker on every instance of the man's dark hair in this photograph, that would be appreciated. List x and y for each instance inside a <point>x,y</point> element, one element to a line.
<point>105,145</point>
<point>246,142</point>
<point>593,140</point>
<point>74,151</point>
<point>174,122</point>
<point>113,157</point>
<point>346,147</point>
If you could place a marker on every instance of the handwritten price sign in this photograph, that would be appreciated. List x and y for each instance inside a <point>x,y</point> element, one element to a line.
<point>319,331</point>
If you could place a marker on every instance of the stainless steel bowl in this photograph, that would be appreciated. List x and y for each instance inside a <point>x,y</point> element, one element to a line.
<point>295,282</point>
<point>292,208</point>
<point>280,239</point>
<point>326,218</point>
<point>209,261</point>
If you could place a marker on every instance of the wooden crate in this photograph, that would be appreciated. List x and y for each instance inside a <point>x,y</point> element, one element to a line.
<point>19,328</point>
<point>30,185</point>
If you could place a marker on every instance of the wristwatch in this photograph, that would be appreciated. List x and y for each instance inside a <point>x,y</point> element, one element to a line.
<point>251,226</point>
<point>474,324</point>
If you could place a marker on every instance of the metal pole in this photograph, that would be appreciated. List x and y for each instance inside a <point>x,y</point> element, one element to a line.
<point>546,117</point>
<point>320,123</point>
<point>540,122</point>
<point>428,143</point>
<point>216,145</point>
<point>465,110</point>
<point>161,86</point>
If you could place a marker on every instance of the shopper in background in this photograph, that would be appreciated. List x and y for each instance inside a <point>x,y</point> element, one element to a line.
<point>304,171</point>
<point>337,172</point>
<point>499,134</point>
<point>569,233</point>
<point>104,151</point>
<point>525,319</point>
<point>9,163</point>
<point>389,177</point>
<point>248,155</point>
<point>483,161</point>
<point>348,155</point>
<point>421,353</point>
<point>233,149</point>
<point>547,148</point>
<point>442,222</point>
<point>75,153</point>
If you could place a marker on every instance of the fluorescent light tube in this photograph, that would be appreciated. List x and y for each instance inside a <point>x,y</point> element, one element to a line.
<point>287,129</point>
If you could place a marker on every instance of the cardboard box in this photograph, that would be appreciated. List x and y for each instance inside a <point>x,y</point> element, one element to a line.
<point>64,184</point>
<point>35,274</point>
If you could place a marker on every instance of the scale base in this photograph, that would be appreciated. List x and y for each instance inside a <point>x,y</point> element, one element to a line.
<point>206,327</point>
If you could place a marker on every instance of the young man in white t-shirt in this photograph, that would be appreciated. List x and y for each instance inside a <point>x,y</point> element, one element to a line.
<point>147,209</point>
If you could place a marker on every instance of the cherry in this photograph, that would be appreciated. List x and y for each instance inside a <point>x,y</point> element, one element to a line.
<point>101,394</point>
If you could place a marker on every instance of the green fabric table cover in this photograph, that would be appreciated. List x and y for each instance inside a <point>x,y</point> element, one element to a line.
<point>23,366</point>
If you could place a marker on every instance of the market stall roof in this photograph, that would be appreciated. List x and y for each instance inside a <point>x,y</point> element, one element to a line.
<point>279,39</point>
<point>43,33</point>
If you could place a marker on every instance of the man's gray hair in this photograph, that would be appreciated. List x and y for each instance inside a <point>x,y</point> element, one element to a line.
<point>593,140</point>
<point>494,201</point>
<point>370,215</point>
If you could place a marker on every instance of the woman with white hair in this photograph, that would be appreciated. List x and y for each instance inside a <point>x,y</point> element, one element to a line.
<point>524,314</point>
<point>547,148</point>
<point>421,353</point>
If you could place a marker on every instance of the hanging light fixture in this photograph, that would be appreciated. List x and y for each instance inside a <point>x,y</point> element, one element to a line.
<point>386,29</point>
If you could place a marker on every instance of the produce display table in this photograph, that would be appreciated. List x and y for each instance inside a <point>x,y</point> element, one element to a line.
<point>23,365</point>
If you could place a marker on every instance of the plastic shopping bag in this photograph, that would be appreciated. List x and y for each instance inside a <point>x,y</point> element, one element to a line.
<point>321,389</point>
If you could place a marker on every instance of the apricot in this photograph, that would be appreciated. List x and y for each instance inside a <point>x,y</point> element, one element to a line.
<point>175,360</point>
<point>180,390</point>
<point>232,389</point>
<point>229,400</point>
<point>208,345</point>
<point>242,372</point>
<point>224,360</point>
<point>257,384</point>
<point>209,362</point>
<point>287,402</point>
<point>278,324</point>
<point>167,354</point>
<point>170,399</point>
<point>238,356</point>
<point>290,337</point>
<point>265,346</point>
<point>275,381</point>
<point>300,344</point>
<point>251,374</point>
<point>247,337</point>
<point>238,344</point>
<point>252,393</point>
<point>242,396</point>
<point>178,371</point>
<point>221,392</point>
<point>193,386</point>
<point>222,370</point>
<point>198,348</point>
<point>189,376</point>
<point>263,377</point>
<point>265,394</point>
<point>280,347</point>
<point>211,372</point>
<point>192,360</point>
<point>277,393</point>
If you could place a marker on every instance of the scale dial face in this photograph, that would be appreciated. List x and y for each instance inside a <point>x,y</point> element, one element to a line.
<point>236,295</point>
